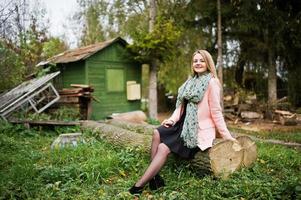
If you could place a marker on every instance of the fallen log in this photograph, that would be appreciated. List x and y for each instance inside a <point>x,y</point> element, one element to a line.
<point>134,116</point>
<point>135,127</point>
<point>117,135</point>
<point>222,159</point>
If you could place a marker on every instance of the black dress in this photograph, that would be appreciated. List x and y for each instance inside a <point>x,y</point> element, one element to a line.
<point>171,136</point>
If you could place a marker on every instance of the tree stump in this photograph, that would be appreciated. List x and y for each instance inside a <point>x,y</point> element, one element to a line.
<point>226,157</point>
<point>222,159</point>
<point>249,150</point>
<point>67,139</point>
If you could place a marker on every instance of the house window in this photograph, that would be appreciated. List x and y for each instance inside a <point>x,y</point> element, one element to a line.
<point>115,80</point>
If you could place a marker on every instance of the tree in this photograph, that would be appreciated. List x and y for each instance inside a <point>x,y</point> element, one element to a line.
<point>19,32</point>
<point>23,33</point>
<point>152,95</point>
<point>92,31</point>
<point>159,44</point>
<point>219,49</point>
<point>11,68</point>
<point>32,45</point>
<point>53,46</point>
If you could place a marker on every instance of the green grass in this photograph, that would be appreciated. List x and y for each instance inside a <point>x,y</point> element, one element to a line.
<point>29,169</point>
<point>287,136</point>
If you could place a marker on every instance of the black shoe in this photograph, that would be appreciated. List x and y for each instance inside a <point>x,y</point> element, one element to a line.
<point>156,182</point>
<point>136,190</point>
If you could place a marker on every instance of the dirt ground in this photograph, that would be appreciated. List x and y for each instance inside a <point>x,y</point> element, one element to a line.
<point>259,125</point>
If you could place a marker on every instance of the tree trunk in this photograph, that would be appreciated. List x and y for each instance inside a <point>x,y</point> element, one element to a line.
<point>152,95</point>
<point>152,14</point>
<point>272,78</point>
<point>219,51</point>
<point>239,71</point>
<point>222,159</point>
<point>118,136</point>
<point>146,129</point>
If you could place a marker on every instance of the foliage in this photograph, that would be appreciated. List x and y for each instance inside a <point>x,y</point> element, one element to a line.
<point>53,46</point>
<point>153,121</point>
<point>298,110</point>
<point>31,47</point>
<point>29,169</point>
<point>24,42</point>
<point>11,67</point>
<point>264,42</point>
<point>158,44</point>
<point>173,73</point>
<point>92,30</point>
<point>63,113</point>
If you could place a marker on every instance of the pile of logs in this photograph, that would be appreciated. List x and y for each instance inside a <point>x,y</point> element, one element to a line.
<point>286,117</point>
<point>79,97</point>
<point>249,109</point>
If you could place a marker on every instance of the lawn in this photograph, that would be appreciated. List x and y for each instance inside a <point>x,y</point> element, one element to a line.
<point>29,169</point>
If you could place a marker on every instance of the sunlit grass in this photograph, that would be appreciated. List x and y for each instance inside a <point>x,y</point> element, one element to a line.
<point>287,136</point>
<point>29,169</point>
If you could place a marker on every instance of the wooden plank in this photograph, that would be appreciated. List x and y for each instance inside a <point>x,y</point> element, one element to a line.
<point>45,123</point>
<point>70,91</point>
<point>283,112</point>
<point>69,99</point>
<point>71,95</point>
<point>80,86</point>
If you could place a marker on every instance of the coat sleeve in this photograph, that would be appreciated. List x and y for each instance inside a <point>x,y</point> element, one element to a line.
<point>176,115</point>
<point>216,110</point>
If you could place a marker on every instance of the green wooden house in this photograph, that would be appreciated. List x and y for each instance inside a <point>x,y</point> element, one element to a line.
<point>111,71</point>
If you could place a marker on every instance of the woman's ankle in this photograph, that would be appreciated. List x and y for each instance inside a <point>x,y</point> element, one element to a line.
<point>139,185</point>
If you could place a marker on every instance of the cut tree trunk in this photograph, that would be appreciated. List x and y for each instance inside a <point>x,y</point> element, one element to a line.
<point>137,116</point>
<point>134,127</point>
<point>222,159</point>
<point>118,136</point>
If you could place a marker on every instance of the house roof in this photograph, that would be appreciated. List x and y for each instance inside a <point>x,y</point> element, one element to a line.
<point>81,53</point>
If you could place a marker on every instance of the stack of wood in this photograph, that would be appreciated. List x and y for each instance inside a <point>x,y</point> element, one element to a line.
<point>285,117</point>
<point>239,109</point>
<point>248,109</point>
<point>79,97</point>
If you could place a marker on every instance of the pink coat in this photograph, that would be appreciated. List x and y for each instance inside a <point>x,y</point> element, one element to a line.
<point>210,116</point>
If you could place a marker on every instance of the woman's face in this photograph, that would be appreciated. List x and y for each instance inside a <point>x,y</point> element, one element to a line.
<point>199,64</point>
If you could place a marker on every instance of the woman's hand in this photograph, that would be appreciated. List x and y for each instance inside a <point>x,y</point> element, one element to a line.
<point>234,140</point>
<point>167,123</point>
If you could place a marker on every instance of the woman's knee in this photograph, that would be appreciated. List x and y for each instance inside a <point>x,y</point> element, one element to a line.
<point>156,135</point>
<point>163,149</point>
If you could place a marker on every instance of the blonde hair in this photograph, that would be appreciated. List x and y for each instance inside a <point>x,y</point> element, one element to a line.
<point>208,60</point>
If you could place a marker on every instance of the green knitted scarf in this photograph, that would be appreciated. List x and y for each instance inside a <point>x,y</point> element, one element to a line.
<point>192,91</point>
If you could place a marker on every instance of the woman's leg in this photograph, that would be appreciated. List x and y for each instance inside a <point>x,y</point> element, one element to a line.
<point>155,143</point>
<point>156,164</point>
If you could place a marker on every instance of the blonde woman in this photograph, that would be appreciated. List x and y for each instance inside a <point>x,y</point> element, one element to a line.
<point>193,124</point>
